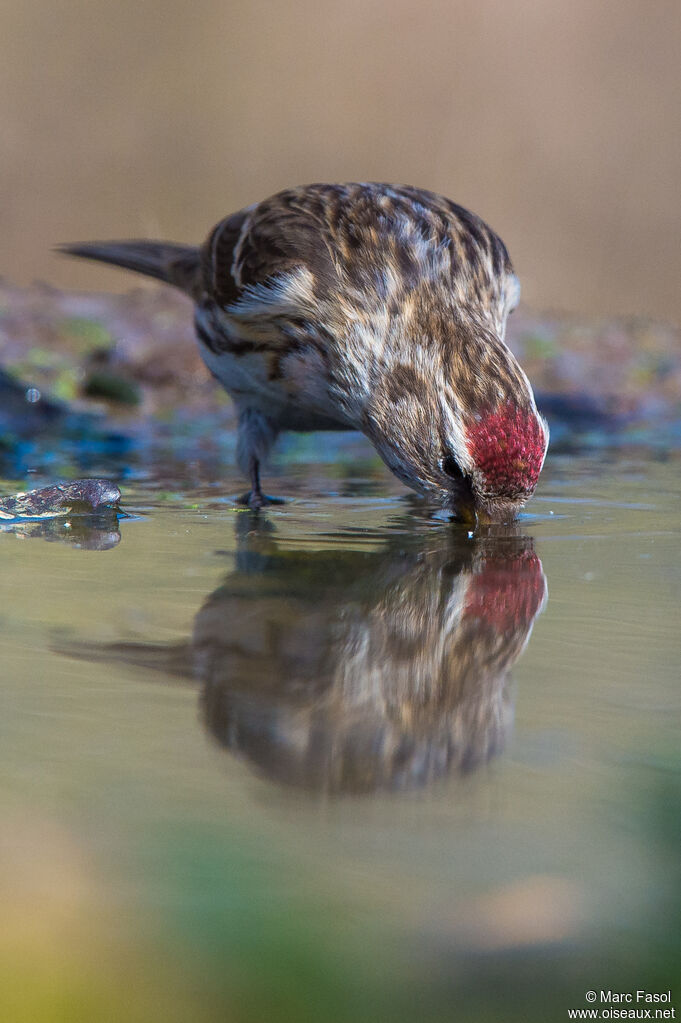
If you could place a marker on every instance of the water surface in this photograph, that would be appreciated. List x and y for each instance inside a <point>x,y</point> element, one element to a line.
<point>344,761</point>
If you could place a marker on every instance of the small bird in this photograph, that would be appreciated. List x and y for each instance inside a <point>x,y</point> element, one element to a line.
<point>371,307</point>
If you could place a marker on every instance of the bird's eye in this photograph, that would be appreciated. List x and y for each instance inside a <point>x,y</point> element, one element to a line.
<point>451,467</point>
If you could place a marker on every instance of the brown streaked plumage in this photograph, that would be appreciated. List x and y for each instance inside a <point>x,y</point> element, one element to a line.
<point>374,307</point>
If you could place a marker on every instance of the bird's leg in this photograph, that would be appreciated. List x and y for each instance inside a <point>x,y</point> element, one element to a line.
<point>255,438</point>
<point>254,498</point>
<point>257,498</point>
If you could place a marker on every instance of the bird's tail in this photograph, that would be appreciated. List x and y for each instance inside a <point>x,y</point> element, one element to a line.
<point>179,265</point>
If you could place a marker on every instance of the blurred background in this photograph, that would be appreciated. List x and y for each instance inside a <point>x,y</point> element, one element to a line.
<point>557,122</point>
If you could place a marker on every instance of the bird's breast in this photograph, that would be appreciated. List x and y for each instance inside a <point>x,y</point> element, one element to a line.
<point>282,377</point>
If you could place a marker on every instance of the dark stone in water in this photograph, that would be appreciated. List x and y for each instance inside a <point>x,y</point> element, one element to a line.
<point>60,499</point>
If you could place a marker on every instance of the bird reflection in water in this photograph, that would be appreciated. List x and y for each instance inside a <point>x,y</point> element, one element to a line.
<point>353,671</point>
<point>350,671</point>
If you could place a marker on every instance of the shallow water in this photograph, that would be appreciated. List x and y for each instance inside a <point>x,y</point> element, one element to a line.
<point>344,761</point>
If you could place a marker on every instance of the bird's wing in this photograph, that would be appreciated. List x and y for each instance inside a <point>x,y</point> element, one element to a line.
<point>285,233</point>
<point>346,238</point>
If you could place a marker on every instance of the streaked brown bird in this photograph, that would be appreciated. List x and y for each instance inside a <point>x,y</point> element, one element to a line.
<point>371,307</point>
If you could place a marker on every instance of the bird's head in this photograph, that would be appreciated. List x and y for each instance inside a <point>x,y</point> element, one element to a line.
<point>475,444</point>
<point>504,447</point>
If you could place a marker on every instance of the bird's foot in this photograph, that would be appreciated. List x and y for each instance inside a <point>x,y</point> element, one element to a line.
<point>255,500</point>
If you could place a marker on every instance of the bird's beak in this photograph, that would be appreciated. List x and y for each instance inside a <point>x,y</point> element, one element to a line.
<point>473,515</point>
<point>462,503</point>
<point>465,512</point>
